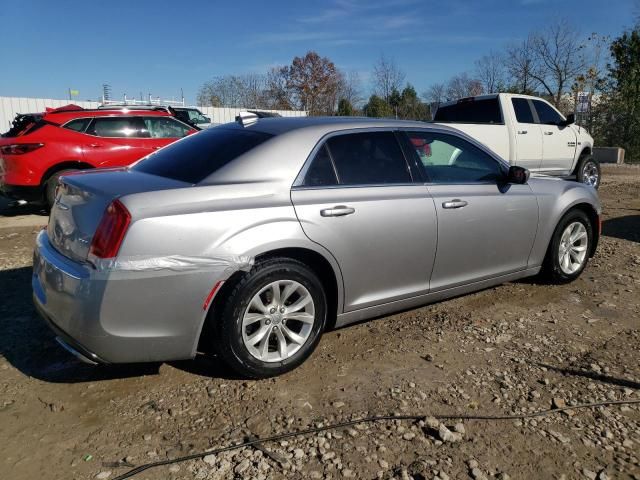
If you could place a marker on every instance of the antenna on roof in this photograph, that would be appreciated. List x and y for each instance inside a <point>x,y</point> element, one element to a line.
<point>246,118</point>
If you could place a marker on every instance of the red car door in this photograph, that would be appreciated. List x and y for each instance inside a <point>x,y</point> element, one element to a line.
<point>116,141</point>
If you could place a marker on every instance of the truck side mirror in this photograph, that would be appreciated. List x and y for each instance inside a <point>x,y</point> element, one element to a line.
<point>571,118</point>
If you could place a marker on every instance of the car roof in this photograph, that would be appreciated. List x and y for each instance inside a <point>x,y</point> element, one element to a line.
<point>323,125</point>
<point>63,115</point>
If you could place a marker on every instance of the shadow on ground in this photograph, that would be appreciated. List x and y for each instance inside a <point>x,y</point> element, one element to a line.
<point>626,228</point>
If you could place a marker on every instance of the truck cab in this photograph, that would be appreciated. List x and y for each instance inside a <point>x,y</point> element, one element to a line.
<point>526,131</point>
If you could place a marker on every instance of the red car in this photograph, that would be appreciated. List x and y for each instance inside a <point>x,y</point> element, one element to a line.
<point>42,147</point>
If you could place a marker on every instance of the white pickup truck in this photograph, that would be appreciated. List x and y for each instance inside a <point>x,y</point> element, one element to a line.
<point>527,131</point>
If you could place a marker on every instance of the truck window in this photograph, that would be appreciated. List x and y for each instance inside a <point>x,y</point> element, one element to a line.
<point>486,110</point>
<point>546,113</point>
<point>523,110</point>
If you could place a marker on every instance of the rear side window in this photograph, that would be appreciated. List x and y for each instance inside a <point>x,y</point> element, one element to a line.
<point>321,172</point>
<point>78,125</point>
<point>118,127</point>
<point>471,111</point>
<point>368,159</point>
<point>523,110</point>
<point>546,113</point>
<point>195,158</point>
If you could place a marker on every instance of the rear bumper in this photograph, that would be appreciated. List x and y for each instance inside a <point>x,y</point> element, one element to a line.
<point>118,319</point>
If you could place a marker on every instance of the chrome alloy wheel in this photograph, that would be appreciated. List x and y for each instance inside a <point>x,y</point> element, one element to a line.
<point>572,252</point>
<point>590,174</point>
<point>278,321</point>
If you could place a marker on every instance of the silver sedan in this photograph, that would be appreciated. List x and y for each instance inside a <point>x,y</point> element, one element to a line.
<point>250,239</point>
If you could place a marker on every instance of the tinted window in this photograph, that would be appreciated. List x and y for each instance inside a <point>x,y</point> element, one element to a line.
<point>450,159</point>
<point>471,111</point>
<point>522,109</point>
<point>321,172</point>
<point>118,127</point>
<point>165,127</point>
<point>196,157</point>
<point>546,114</point>
<point>368,158</point>
<point>78,125</point>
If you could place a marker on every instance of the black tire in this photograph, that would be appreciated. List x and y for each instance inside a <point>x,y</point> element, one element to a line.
<point>588,171</point>
<point>227,328</point>
<point>552,269</point>
<point>50,187</point>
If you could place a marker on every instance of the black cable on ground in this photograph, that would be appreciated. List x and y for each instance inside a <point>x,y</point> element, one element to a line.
<point>380,418</point>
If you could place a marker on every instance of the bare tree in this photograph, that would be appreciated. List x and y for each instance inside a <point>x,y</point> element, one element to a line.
<point>559,59</point>
<point>461,85</point>
<point>234,91</point>
<point>277,95</point>
<point>387,77</point>
<point>435,94</point>
<point>350,88</point>
<point>520,63</point>
<point>490,71</point>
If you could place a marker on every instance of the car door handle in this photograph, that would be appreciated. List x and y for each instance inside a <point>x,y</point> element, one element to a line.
<point>548,133</point>
<point>455,203</point>
<point>337,211</point>
<point>522,132</point>
<point>95,145</point>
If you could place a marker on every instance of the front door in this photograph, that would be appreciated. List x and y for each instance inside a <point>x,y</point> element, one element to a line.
<point>485,228</point>
<point>359,201</point>
<point>558,142</point>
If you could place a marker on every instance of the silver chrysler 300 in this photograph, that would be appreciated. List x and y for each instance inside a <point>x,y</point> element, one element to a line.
<point>248,240</point>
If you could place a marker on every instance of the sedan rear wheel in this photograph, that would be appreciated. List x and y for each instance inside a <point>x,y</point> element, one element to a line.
<point>271,319</point>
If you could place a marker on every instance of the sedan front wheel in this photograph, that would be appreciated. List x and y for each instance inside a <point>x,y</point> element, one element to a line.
<point>570,247</point>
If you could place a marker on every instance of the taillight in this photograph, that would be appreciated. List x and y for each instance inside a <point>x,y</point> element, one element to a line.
<point>110,233</point>
<point>20,148</point>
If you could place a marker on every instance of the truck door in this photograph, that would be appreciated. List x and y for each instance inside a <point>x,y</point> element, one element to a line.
<point>528,135</point>
<point>558,142</point>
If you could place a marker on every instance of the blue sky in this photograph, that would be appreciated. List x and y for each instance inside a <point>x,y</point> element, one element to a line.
<point>144,46</point>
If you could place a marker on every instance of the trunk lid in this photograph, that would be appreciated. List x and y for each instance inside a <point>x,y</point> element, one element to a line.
<point>82,199</point>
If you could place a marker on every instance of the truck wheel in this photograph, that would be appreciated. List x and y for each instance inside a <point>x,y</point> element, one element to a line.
<point>50,187</point>
<point>588,171</point>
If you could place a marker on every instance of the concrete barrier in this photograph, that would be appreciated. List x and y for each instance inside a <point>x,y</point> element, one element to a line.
<point>609,155</point>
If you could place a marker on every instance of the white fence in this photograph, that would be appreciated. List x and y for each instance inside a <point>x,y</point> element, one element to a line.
<point>10,106</point>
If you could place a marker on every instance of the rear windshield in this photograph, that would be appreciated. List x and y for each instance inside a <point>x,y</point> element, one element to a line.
<point>195,158</point>
<point>471,111</point>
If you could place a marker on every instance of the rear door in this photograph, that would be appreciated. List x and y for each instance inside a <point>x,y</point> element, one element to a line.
<point>485,228</point>
<point>116,141</point>
<point>559,142</point>
<point>358,199</point>
<point>528,134</point>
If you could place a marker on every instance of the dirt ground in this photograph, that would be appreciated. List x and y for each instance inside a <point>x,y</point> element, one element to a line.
<point>513,349</point>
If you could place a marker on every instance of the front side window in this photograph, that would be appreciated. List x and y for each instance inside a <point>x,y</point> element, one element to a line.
<point>196,157</point>
<point>522,109</point>
<point>118,127</point>
<point>546,113</point>
<point>165,127</point>
<point>368,158</point>
<point>450,159</point>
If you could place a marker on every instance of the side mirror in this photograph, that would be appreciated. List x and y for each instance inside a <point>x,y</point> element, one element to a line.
<point>571,118</point>
<point>517,175</point>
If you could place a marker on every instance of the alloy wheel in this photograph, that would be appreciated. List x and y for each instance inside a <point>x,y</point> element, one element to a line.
<point>278,320</point>
<point>572,252</point>
<point>590,174</point>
